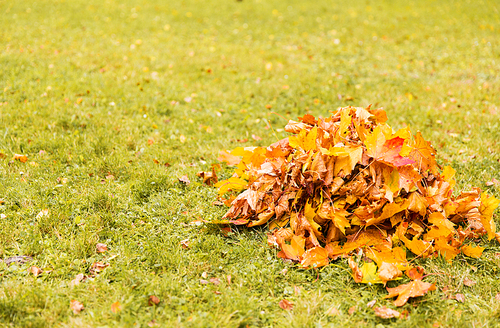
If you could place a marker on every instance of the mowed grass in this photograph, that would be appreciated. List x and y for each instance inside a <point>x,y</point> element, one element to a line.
<point>112,101</point>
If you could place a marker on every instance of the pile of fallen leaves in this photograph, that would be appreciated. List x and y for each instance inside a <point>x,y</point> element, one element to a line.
<point>348,185</point>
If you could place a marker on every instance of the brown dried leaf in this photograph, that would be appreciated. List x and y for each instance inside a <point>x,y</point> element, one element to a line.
<point>184,180</point>
<point>386,313</point>
<point>76,306</point>
<point>101,248</point>
<point>116,307</point>
<point>412,289</point>
<point>153,300</point>
<point>286,305</point>
<point>36,271</point>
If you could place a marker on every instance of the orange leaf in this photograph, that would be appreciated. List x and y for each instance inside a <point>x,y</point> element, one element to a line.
<point>21,158</point>
<point>116,307</point>
<point>286,305</point>
<point>76,306</point>
<point>315,257</point>
<point>412,289</point>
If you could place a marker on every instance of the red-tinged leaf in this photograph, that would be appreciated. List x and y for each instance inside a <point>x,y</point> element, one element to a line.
<point>386,313</point>
<point>415,273</point>
<point>286,305</point>
<point>76,306</point>
<point>460,298</point>
<point>414,288</point>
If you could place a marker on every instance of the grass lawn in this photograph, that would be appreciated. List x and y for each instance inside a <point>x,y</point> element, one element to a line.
<point>113,101</point>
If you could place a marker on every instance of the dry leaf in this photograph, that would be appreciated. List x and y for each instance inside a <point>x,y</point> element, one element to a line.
<point>101,248</point>
<point>386,313</point>
<point>78,278</point>
<point>412,289</point>
<point>460,298</point>
<point>468,282</point>
<point>332,311</point>
<point>76,306</point>
<point>286,305</point>
<point>36,271</point>
<point>185,180</point>
<point>21,158</point>
<point>153,323</point>
<point>497,297</point>
<point>116,307</point>
<point>98,267</point>
<point>371,303</point>
<point>215,281</point>
<point>351,310</point>
<point>185,243</point>
<point>153,300</point>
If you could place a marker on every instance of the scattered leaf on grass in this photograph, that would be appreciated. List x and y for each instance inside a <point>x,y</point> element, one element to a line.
<point>460,298</point>
<point>351,310</point>
<point>78,278</point>
<point>153,323</point>
<point>153,300</point>
<point>36,271</point>
<point>215,281</point>
<point>101,248</point>
<point>209,178</point>
<point>116,307</point>
<point>185,180</point>
<point>185,243</point>
<point>497,297</point>
<point>371,303</point>
<point>76,306</point>
<point>21,158</point>
<point>386,313</point>
<point>412,289</point>
<point>286,305</point>
<point>332,311</point>
<point>98,267</point>
<point>468,282</point>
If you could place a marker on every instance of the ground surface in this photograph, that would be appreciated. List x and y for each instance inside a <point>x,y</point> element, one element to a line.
<point>111,91</point>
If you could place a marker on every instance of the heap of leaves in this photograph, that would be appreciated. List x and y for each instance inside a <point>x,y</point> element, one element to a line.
<point>348,184</point>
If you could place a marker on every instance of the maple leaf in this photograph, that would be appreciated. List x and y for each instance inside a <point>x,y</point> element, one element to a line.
<point>422,153</point>
<point>305,140</point>
<point>76,306</point>
<point>314,257</point>
<point>414,288</point>
<point>381,148</point>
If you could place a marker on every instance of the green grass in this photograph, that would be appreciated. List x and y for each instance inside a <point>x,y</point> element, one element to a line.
<point>105,88</point>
